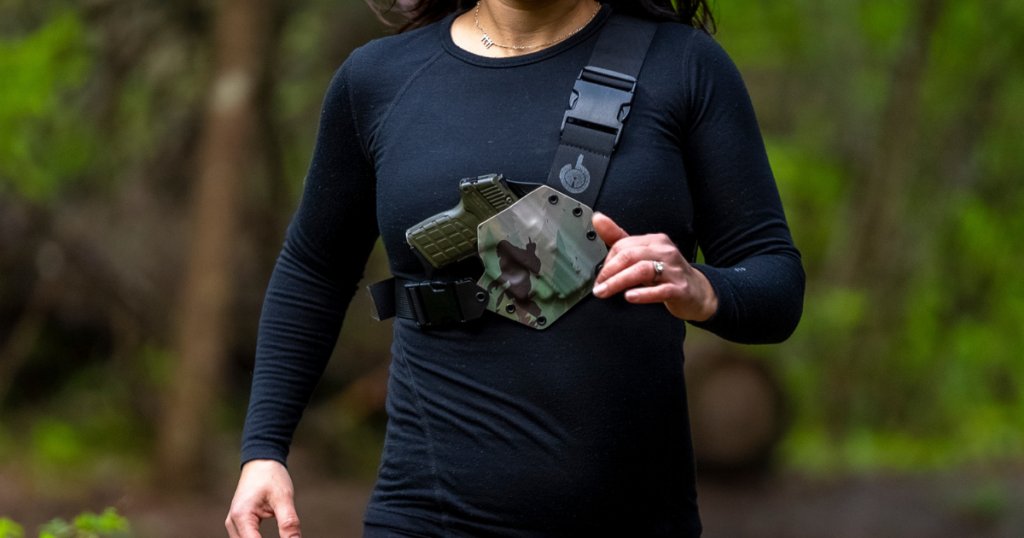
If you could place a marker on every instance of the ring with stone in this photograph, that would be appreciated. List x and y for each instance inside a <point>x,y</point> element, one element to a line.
<point>658,268</point>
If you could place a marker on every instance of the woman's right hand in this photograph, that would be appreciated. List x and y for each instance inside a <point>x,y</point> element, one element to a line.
<point>264,490</point>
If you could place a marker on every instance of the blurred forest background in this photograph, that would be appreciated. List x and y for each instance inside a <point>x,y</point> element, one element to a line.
<point>152,153</point>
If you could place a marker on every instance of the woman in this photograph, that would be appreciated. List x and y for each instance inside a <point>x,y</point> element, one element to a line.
<point>497,429</point>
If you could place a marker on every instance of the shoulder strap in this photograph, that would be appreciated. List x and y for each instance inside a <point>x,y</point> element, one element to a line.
<point>598,106</point>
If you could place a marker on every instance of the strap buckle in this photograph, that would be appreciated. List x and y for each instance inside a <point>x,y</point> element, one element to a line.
<point>443,302</point>
<point>600,100</point>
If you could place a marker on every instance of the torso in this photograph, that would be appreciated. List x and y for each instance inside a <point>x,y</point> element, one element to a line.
<point>495,428</point>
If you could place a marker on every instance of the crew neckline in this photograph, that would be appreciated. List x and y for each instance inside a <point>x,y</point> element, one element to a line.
<point>449,45</point>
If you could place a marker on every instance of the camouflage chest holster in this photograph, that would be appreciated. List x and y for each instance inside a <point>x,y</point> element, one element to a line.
<point>540,257</point>
<point>538,247</point>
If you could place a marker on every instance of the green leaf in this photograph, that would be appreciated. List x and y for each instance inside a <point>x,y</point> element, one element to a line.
<point>109,522</point>
<point>10,529</point>
<point>44,140</point>
<point>57,528</point>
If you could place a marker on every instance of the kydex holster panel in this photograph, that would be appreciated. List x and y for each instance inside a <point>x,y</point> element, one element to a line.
<point>540,257</point>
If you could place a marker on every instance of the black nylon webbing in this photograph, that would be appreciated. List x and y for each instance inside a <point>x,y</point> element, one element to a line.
<point>390,299</point>
<point>588,140</point>
<point>622,45</point>
<point>383,295</point>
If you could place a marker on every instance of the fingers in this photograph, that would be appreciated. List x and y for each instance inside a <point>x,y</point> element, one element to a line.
<point>243,525</point>
<point>662,248</point>
<point>229,524</point>
<point>264,491</point>
<point>606,228</point>
<point>629,264</point>
<point>653,294</point>
<point>287,519</point>
<point>639,273</point>
<point>244,521</point>
<point>629,256</point>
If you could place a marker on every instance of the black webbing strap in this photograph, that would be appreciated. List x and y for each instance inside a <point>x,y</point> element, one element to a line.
<point>598,106</point>
<point>429,303</point>
<point>383,295</point>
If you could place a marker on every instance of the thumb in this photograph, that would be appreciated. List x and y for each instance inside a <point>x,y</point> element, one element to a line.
<point>606,228</point>
<point>287,518</point>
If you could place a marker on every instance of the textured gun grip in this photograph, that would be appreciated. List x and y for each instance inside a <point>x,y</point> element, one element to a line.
<point>442,239</point>
<point>450,236</point>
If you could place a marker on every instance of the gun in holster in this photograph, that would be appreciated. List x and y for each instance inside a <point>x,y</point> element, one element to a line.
<point>450,236</point>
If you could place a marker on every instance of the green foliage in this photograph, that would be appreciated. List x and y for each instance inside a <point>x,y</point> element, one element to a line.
<point>949,387</point>
<point>883,23</point>
<point>745,22</point>
<point>44,140</point>
<point>56,442</point>
<point>10,529</point>
<point>89,430</point>
<point>812,188</point>
<point>86,525</point>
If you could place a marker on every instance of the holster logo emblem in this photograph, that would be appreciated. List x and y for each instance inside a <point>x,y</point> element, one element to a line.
<point>575,180</point>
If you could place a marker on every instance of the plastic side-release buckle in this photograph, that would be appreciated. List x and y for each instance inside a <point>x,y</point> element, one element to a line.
<point>600,100</point>
<point>443,302</point>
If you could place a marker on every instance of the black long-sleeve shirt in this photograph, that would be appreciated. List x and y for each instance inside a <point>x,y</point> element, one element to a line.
<point>495,428</point>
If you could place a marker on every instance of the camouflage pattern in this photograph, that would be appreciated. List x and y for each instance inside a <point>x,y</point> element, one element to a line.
<point>540,257</point>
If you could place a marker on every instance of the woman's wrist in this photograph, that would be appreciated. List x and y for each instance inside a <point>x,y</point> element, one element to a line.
<point>262,466</point>
<point>709,298</point>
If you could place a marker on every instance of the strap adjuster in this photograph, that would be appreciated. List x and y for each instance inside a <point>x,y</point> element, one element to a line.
<point>600,100</point>
<point>443,302</point>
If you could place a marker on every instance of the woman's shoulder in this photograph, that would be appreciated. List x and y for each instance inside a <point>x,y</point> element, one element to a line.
<point>394,55</point>
<point>375,73</point>
<point>684,56</point>
<point>686,68</point>
<point>682,44</point>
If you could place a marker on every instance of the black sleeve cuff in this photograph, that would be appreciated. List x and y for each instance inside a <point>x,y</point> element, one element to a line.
<point>718,322</point>
<point>264,452</point>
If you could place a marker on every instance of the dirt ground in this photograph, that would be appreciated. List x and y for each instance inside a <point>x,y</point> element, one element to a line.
<point>956,505</point>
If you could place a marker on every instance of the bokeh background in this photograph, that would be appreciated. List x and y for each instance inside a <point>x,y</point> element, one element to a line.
<point>152,153</point>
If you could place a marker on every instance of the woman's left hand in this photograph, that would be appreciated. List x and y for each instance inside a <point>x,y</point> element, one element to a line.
<point>685,291</point>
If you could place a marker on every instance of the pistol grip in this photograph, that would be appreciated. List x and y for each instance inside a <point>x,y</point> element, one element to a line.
<point>446,237</point>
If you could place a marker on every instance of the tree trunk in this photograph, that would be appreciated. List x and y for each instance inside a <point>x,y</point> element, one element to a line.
<point>203,330</point>
<point>881,198</point>
<point>275,209</point>
<point>876,259</point>
<point>25,333</point>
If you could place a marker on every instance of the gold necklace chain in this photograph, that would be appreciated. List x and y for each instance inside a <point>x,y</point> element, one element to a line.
<point>488,42</point>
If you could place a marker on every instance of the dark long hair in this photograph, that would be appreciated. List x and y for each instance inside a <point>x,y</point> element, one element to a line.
<point>414,14</point>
